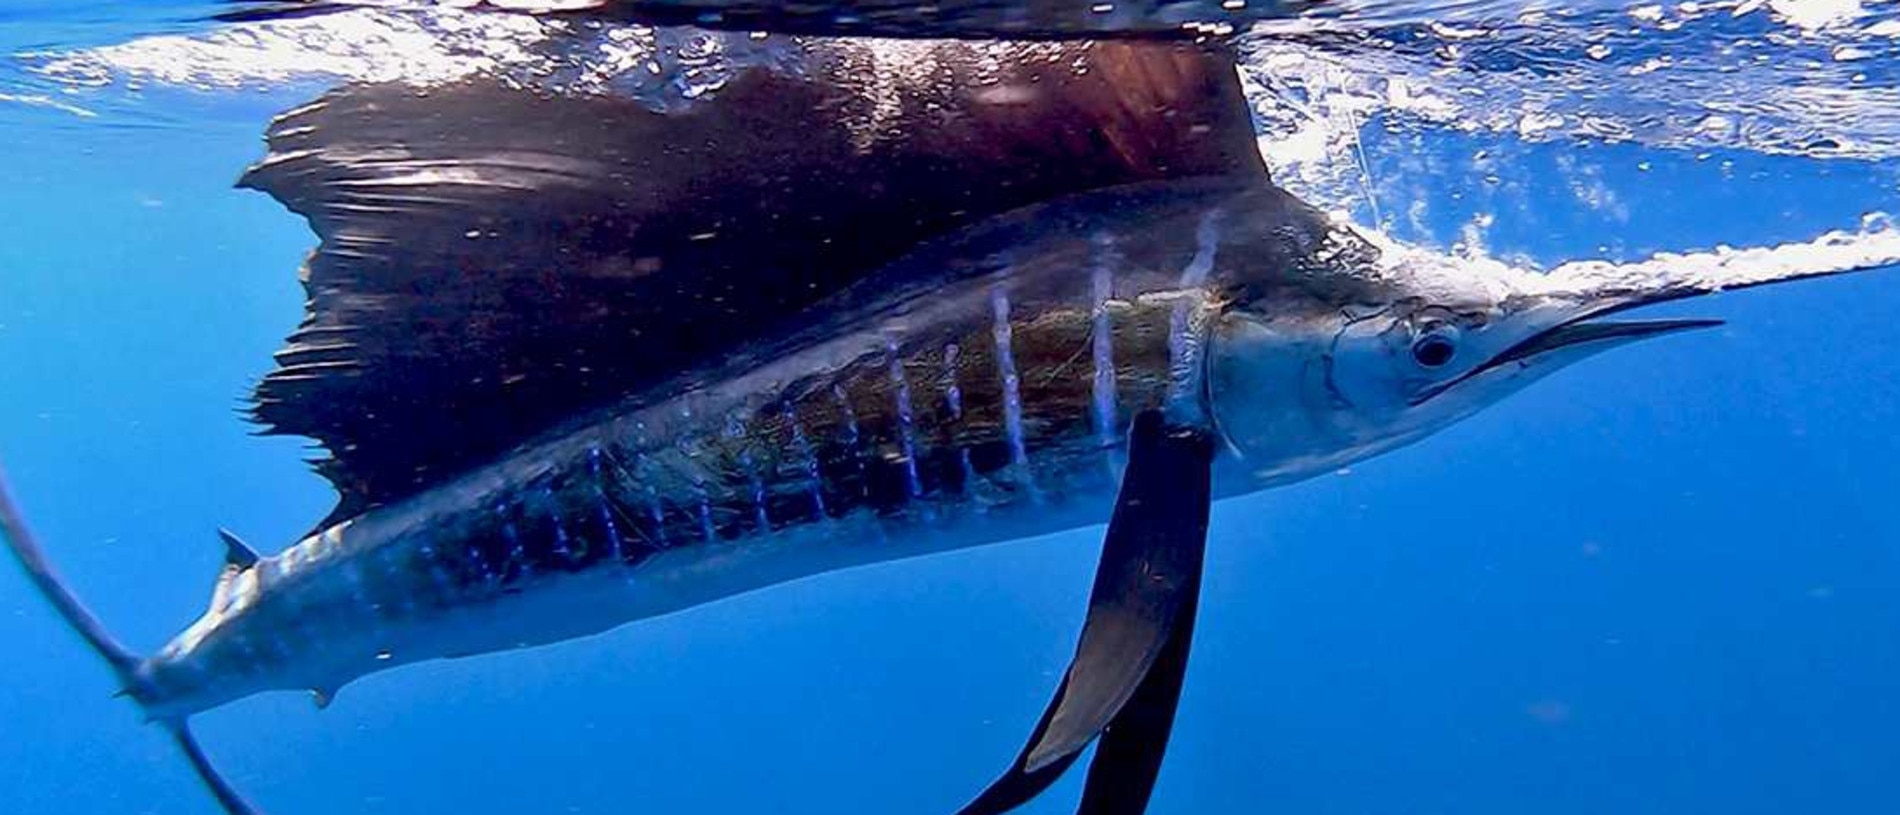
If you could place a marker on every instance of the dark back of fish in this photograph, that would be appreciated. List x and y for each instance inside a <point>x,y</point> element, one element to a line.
<point>498,259</point>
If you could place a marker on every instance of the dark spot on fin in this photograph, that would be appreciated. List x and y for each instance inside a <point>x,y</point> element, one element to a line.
<point>526,256</point>
<point>322,698</point>
<point>228,797</point>
<point>1125,680</point>
<point>237,553</point>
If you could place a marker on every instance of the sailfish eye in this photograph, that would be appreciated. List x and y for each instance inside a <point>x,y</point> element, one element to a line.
<point>1434,348</point>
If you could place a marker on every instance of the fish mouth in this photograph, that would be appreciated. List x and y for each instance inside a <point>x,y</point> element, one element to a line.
<point>1583,335</point>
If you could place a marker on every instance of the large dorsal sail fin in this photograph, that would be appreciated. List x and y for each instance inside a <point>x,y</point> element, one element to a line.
<point>494,260</point>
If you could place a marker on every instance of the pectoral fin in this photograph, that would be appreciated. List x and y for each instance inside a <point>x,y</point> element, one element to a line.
<point>1125,679</point>
<point>1128,758</point>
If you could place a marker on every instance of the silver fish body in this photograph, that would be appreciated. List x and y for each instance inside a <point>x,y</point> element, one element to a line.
<point>977,392</point>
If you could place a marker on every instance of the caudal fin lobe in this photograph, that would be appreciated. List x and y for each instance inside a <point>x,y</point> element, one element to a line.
<point>26,548</point>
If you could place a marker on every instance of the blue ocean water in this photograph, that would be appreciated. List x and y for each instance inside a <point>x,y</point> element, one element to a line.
<point>1666,580</point>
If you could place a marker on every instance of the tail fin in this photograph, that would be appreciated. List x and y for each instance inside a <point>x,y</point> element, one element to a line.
<point>26,548</point>
<point>233,803</point>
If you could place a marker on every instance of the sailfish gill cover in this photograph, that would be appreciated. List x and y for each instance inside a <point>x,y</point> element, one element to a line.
<point>585,317</point>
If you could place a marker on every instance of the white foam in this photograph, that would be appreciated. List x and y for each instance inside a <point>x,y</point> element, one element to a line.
<point>40,100</point>
<point>1480,279</point>
<point>364,45</point>
<point>1876,244</point>
<point>1817,14</point>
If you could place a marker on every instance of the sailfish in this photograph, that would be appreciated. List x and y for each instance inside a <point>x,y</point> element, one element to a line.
<point>579,360</point>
